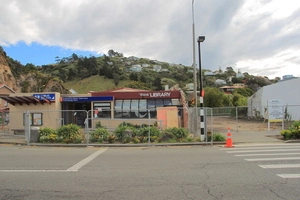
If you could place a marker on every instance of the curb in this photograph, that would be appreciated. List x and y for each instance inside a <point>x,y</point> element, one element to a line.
<point>114,145</point>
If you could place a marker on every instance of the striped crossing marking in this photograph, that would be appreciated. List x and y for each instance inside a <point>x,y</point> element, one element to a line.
<point>289,175</point>
<point>281,146</point>
<point>280,166</point>
<point>267,154</point>
<point>264,150</point>
<point>273,159</point>
<point>270,154</point>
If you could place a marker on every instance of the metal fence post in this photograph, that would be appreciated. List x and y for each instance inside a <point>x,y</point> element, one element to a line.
<point>27,127</point>
<point>86,127</point>
<point>237,119</point>
<point>149,128</point>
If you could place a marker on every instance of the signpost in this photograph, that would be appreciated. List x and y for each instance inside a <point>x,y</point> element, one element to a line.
<point>275,111</point>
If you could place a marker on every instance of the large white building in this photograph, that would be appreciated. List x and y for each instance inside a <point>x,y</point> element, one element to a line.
<point>286,92</point>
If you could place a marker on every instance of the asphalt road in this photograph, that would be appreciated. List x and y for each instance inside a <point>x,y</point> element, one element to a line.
<point>198,172</point>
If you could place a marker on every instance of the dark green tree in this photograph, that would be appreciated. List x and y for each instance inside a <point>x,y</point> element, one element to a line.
<point>116,79</point>
<point>134,76</point>
<point>157,84</point>
<point>213,97</point>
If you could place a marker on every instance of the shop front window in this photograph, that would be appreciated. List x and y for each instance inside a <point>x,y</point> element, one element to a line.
<point>143,111</point>
<point>134,112</point>
<point>138,108</point>
<point>126,108</point>
<point>102,110</point>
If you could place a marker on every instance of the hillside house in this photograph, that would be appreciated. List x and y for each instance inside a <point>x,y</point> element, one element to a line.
<point>136,68</point>
<point>230,89</point>
<point>157,68</point>
<point>209,73</point>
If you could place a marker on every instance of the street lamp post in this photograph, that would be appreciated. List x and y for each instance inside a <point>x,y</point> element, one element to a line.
<point>194,67</point>
<point>202,120</point>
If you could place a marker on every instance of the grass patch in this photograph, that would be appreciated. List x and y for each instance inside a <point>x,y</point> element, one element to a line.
<point>92,84</point>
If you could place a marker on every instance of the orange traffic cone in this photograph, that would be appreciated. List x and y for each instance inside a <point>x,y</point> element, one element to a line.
<point>228,139</point>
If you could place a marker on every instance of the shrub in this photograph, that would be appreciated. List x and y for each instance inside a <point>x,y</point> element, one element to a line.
<point>217,137</point>
<point>179,133</point>
<point>144,131</point>
<point>99,135</point>
<point>48,135</point>
<point>70,133</point>
<point>293,132</point>
<point>287,134</point>
<point>112,138</point>
<point>126,139</point>
<point>124,130</point>
<point>166,136</point>
<point>136,140</point>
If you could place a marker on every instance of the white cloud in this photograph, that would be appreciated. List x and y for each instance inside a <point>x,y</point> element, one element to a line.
<point>285,62</point>
<point>245,34</point>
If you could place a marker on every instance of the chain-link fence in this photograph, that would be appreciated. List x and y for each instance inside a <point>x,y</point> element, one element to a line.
<point>4,121</point>
<point>217,120</point>
<point>243,119</point>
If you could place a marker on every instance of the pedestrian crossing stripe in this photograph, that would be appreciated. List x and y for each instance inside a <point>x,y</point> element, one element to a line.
<point>280,166</point>
<point>264,150</point>
<point>273,159</point>
<point>266,154</point>
<point>289,175</point>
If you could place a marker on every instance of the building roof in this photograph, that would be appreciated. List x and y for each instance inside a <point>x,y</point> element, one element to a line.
<point>24,100</point>
<point>3,85</point>
<point>123,90</point>
<point>232,87</point>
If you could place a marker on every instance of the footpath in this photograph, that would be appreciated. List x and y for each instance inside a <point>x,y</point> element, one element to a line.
<point>245,137</point>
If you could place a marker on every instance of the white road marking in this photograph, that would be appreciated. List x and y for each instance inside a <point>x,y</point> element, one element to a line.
<point>33,170</point>
<point>263,147</point>
<point>289,175</point>
<point>85,161</point>
<point>271,150</point>
<point>273,159</point>
<point>267,154</point>
<point>74,168</point>
<point>280,166</point>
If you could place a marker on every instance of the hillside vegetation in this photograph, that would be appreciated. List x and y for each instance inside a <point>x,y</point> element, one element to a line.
<point>111,71</point>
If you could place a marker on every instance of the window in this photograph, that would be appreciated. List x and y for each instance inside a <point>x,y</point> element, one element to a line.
<point>126,108</point>
<point>102,110</point>
<point>35,119</point>
<point>134,108</point>
<point>139,108</point>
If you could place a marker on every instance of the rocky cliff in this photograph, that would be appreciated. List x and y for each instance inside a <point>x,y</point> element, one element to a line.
<point>6,76</point>
<point>28,82</point>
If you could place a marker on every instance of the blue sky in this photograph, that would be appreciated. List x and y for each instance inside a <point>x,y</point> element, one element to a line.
<point>38,54</point>
<point>260,37</point>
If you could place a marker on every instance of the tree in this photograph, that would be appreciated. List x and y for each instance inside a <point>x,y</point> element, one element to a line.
<point>143,78</point>
<point>213,97</point>
<point>157,84</point>
<point>57,59</point>
<point>111,53</point>
<point>116,79</point>
<point>246,92</point>
<point>239,100</point>
<point>74,57</point>
<point>134,76</point>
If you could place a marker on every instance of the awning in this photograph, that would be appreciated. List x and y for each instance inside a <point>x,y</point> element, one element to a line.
<point>24,100</point>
